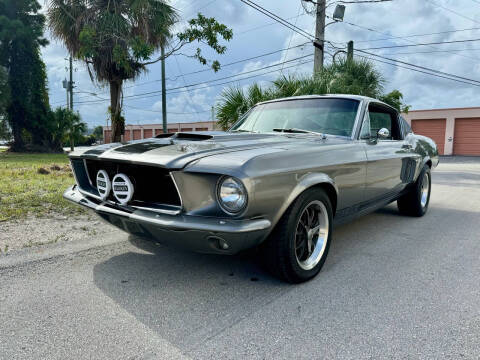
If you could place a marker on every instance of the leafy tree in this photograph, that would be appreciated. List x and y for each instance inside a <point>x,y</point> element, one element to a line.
<point>394,99</point>
<point>117,39</point>
<point>98,133</point>
<point>21,36</point>
<point>358,77</point>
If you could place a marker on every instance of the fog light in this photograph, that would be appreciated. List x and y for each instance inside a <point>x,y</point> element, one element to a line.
<point>222,244</point>
<point>122,188</point>
<point>103,184</point>
<point>218,243</point>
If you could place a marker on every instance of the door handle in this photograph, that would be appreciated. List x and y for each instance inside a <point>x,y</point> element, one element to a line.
<point>406,146</point>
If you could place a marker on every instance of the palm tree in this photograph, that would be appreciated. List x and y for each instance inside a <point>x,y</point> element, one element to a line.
<point>117,38</point>
<point>66,127</point>
<point>358,77</point>
<point>76,129</point>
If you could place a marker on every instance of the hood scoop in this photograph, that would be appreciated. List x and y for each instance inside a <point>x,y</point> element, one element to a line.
<point>185,136</point>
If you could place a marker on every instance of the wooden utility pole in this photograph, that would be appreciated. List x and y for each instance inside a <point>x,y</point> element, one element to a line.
<point>350,50</point>
<point>70,84</point>
<point>164,93</point>
<point>319,36</point>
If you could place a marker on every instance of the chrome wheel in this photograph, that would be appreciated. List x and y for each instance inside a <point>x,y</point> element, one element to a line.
<point>311,235</point>
<point>424,191</point>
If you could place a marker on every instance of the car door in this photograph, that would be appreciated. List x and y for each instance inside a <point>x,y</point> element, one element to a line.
<point>389,157</point>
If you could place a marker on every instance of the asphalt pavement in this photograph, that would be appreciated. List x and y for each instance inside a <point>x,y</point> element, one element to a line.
<point>392,287</point>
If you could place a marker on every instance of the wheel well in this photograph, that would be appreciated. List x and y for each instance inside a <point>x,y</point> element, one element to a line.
<point>331,193</point>
<point>429,163</point>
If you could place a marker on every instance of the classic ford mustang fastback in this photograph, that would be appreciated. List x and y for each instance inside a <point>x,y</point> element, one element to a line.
<point>278,179</point>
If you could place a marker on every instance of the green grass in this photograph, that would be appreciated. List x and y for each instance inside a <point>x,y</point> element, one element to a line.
<point>24,191</point>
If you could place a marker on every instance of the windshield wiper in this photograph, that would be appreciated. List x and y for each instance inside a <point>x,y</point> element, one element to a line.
<point>298,131</point>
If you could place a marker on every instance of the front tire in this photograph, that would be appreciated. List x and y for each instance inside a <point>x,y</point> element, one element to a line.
<point>298,247</point>
<point>415,202</point>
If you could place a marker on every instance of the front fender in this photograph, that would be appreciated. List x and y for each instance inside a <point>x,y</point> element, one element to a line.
<point>306,182</point>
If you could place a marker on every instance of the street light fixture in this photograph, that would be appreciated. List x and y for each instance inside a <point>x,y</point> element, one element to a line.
<point>339,13</point>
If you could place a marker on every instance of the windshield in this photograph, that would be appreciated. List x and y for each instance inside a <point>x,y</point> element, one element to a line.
<point>326,116</point>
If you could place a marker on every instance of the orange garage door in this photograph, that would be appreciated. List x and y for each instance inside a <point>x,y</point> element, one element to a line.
<point>434,129</point>
<point>137,134</point>
<point>147,133</point>
<point>466,140</point>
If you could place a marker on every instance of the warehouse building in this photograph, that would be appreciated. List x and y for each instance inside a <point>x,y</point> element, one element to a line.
<point>456,131</point>
<point>138,132</point>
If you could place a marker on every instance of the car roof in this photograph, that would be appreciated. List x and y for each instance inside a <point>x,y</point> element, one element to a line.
<point>335,96</point>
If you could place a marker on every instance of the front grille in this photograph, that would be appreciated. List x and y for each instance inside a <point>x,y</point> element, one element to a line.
<point>152,185</point>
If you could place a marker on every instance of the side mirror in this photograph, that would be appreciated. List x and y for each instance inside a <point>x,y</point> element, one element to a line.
<point>383,133</point>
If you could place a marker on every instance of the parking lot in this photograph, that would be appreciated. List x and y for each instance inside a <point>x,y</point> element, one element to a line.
<point>392,287</point>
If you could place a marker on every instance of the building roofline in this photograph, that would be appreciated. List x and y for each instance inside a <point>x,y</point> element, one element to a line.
<point>447,109</point>
<point>168,124</point>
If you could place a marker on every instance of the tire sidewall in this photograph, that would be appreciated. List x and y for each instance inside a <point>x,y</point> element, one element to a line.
<point>426,170</point>
<point>302,202</point>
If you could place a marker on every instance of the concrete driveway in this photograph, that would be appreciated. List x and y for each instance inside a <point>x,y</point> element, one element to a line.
<point>392,287</point>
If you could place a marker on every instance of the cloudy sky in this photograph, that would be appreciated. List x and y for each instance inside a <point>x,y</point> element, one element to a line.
<point>387,24</point>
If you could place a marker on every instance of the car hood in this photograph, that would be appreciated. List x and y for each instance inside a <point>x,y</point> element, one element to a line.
<point>177,151</point>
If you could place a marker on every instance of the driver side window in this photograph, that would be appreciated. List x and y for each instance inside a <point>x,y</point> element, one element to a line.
<point>379,117</point>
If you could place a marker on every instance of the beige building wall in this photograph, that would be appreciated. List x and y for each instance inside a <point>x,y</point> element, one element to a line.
<point>138,132</point>
<point>450,115</point>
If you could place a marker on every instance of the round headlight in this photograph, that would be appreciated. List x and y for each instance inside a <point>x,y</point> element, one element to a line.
<point>232,195</point>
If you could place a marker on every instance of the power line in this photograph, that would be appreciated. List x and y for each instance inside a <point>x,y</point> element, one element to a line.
<point>409,41</point>
<point>422,44</point>
<point>453,11</point>
<point>430,52</point>
<point>205,70</point>
<point>416,70</point>
<point>223,78</point>
<point>434,71</point>
<point>215,80</point>
<point>279,19</point>
<point>418,35</point>
<point>242,60</point>
<point>185,83</point>
<point>155,111</point>
<point>291,36</point>
<point>208,86</point>
<point>265,25</point>
<point>170,112</point>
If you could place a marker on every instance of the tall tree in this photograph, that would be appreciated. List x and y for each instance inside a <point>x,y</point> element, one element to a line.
<point>21,36</point>
<point>117,39</point>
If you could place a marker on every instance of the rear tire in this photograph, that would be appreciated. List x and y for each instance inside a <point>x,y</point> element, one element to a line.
<point>415,202</point>
<point>298,247</point>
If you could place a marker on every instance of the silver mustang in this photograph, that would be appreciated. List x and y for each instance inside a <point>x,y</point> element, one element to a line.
<point>278,179</point>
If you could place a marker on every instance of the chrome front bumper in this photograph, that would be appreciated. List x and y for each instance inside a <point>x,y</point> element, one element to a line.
<point>195,233</point>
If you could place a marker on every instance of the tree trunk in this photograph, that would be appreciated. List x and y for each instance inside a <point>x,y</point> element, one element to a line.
<point>118,122</point>
<point>16,121</point>
<point>18,144</point>
<point>72,145</point>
